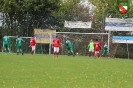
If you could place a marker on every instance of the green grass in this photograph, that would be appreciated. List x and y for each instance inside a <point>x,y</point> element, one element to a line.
<point>46,71</point>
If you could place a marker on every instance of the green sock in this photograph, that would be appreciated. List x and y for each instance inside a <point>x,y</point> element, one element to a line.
<point>72,52</point>
<point>21,51</point>
<point>9,50</point>
<point>5,51</point>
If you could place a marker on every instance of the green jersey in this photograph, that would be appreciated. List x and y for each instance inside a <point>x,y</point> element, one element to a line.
<point>68,43</point>
<point>91,45</point>
<point>6,40</point>
<point>105,48</point>
<point>19,41</point>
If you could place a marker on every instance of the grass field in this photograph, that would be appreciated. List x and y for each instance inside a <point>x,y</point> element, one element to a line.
<point>46,71</point>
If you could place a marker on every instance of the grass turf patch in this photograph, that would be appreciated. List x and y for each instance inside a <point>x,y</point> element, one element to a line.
<point>46,71</point>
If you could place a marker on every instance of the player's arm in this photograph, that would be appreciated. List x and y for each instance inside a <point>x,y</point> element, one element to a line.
<point>23,41</point>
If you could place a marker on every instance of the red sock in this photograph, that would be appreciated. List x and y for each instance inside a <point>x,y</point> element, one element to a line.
<point>98,55</point>
<point>89,53</point>
<point>54,53</point>
<point>57,54</point>
<point>32,52</point>
<point>93,54</point>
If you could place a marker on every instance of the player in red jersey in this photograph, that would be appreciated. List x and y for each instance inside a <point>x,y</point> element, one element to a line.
<point>32,44</point>
<point>56,45</point>
<point>97,48</point>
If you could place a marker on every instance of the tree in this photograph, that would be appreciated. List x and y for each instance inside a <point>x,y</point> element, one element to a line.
<point>22,16</point>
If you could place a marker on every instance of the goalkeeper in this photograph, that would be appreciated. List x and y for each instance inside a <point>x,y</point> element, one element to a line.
<point>69,47</point>
<point>19,45</point>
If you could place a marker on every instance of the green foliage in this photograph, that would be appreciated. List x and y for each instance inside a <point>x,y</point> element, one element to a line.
<point>22,16</point>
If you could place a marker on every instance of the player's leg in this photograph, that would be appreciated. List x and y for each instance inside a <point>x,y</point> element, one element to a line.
<point>33,49</point>
<point>92,52</point>
<point>54,51</point>
<point>98,53</point>
<point>57,51</point>
<point>89,53</point>
<point>9,48</point>
<point>18,50</point>
<point>21,51</point>
<point>5,48</point>
<point>95,53</point>
<point>104,53</point>
<point>68,53</point>
<point>72,51</point>
<point>107,55</point>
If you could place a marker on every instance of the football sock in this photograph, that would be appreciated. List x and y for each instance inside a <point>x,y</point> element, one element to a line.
<point>92,53</point>
<point>72,52</point>
<point>89,53</point>
<point>57,54</point>
<point>32,52</point>
<point>21,51</point>
<point>5,51</point>
<point>98,55</point>
<point>68,54</point>
<point>54,53</point>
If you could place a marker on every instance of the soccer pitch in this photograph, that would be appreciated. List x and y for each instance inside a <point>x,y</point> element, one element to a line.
<point>46,71</point>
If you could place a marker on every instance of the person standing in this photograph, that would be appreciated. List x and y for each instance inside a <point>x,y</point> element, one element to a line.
<point>105,50</point>
<point>32,44</point>
<point>19,45</point>
<point>97,48</point>
<point>6,44</point>
<point>91,48</point>
<point>56,45</point>
<point>69,47</point>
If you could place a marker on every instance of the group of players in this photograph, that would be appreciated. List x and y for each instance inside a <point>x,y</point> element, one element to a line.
<point>95,47</point>
<point>18,44</point>
<point>56,45</point>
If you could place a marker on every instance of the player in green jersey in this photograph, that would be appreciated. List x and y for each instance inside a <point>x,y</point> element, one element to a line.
<point>91,48</point>
<point>69,47</point>
<point>105,50</point>
<point>6,43</point>
<point>19,45</point>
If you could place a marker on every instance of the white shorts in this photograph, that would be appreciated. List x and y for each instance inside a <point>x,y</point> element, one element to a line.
<point>96,52</point>
<point>56,49</point>
<point>91,50</point>
<point>33,47</point>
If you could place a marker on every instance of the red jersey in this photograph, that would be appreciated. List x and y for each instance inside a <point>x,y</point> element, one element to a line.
<point>97,46</point>
<point>32,41</point>
<point>56,42</point>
